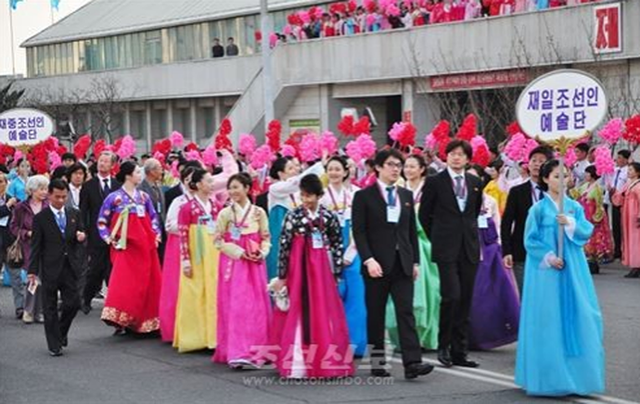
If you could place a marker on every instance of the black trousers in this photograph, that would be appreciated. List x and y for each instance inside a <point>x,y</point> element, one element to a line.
<point>56,326</point>
<point>456,288</point>
<point>616,224</point>
<point>377,290</point>
<point>98,271</point>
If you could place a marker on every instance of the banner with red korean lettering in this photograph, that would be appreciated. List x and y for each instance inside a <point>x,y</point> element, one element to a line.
<point>25,127</point>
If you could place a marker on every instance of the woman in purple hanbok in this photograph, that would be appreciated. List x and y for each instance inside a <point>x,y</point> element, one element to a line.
<point>495,308</point>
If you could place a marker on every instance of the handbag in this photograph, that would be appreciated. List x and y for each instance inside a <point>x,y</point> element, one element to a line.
<point>15,258</point>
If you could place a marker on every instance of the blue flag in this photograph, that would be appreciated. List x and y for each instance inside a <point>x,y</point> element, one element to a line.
<point>14,3</point>
<point>55,4</point>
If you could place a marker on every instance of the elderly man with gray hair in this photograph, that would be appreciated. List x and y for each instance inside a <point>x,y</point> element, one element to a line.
<point>151,184</point>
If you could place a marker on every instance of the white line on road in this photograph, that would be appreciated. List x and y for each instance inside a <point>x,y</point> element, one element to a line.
<point>501,379</point>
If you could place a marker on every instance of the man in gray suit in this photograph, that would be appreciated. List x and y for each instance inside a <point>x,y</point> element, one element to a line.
<point>151,185</point>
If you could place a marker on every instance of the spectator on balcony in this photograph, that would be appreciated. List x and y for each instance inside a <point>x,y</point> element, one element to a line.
<point>232,48</point>
<point>473,9</point>
<point>328,26</point>
<point>217,50</point>
<point>445,11</point>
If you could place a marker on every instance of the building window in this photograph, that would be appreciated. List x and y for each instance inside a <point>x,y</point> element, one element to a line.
<point>152,48</point>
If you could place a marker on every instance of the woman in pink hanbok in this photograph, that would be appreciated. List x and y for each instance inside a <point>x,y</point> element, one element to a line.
<point>629,201</point>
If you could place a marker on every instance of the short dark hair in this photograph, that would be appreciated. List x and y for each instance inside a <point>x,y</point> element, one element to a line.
<point>58,184</point>
<point>311,184</point>
<point>462,144</point>
<point>243,178</point>
<point>545,171</point>
<point>583,147</point>
<point>385,154</point>
<point>230,39</point>
<point>59,172</point>
<point>69,156</point>
<point>544,150</point>
<point>624,153</point>
<point>592,171</point>
<point>74,168</point>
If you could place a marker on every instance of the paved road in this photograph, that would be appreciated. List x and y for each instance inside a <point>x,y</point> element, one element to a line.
<point>99,368</point>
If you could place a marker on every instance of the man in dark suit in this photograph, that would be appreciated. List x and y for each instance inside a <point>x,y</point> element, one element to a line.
<point>384,229</point>
<point>58,232</point>
<point>151,185</point>
<point>91,197</point>
<point>449,209</point>
<point>519,201</point>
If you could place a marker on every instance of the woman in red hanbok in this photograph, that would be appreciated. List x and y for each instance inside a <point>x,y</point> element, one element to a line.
<point>129,224</point>
<point>311,337</point>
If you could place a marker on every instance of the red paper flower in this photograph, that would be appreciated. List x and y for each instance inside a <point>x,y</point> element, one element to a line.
<point>162,146</point>
<point>468,128</point>
<point>191,147</point>
<point>294,19</point>
<point>225,127</point>
<point>346,125</point>
<point>441,131</point>
<point>362,127</point>
<point>407,137</point>
<point>481,156</point>
<point>99,147</point>
<point>352,6</point>
<point>632,129</point>
<point>513,128</point>
<point>82,145</point>
<point>273,135</point>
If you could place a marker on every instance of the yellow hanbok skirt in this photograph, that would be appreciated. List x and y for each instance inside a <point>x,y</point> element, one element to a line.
<point>197,308</point>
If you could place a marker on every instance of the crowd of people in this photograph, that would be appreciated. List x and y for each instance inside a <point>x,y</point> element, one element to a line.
<point>352,17</point>
<point>311,250</point>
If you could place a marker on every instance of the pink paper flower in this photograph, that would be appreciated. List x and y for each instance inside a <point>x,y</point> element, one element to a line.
<point>209,156</point>
<point>54,160</point>
<point>570,157</point>
<point>603,161</point>
<point>246,144</point>
<point>310,147</point>
<point>261,157</point>
<point>177,140</point>
<point>288,151</point>
<point>612,131</point>
<point>328,142</point>
<point>193,155</point>
<point>127,148</point>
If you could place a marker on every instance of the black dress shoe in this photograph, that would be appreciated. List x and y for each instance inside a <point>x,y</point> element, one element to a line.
<point>380,373</point>
<point>55,352</point>
<point>85,308</point>
<point>465,363</point>
<point>120,332</point>
<point>445,358</point>
<point>417,369</point>
<point>64,342</point>
<point>634,273</point>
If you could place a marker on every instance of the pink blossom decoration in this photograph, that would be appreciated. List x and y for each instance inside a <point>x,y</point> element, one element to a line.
<point>174,169</point>
<point>54,160</point>
<point>193,155</point>
<point>288,151</point>
<point>603,161</point>
<point>246,144</point>
<point>261,157</point>
<point>127,148</point>
<point>328,142</point>
<point>477,142</point>
<point>570,157</point>
<point>612,131</point>
<point>177,140</point>
<point>209,156</point>
<point>310,147</point>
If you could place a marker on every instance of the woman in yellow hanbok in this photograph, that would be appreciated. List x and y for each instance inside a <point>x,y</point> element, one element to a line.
<point>196,312</point>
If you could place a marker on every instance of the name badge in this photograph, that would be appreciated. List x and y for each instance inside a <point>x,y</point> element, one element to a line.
<point>341,218</point>
<point>235,233</point>
<point>140,210</point>
<point>393,214</point>
<point>211,226</point>
<point>483,222</point>
<point>316,240</point>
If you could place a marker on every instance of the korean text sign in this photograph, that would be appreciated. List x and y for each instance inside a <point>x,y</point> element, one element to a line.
<point>24,127</point>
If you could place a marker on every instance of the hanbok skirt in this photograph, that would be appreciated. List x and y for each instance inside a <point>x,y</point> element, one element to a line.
<point>196,312</point>
<point>170,285</point>
<point>242,295</point>
<point>311,338</point>
<point>134,285</point>
<point>276,221</point>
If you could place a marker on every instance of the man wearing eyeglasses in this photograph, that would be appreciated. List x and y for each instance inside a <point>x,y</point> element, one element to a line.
<point>384,229</point>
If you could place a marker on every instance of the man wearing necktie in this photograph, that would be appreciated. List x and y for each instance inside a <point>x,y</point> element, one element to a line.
<point>619,179</point>
<point>151,185</point>
<point>58,233</point>
<point>449,211</point>
<point>520,199</point>
<point>92,195</point>
<point>385,233</point>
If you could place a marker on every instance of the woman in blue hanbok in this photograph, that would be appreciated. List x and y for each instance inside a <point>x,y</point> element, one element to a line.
<point>284,196</point>
<point>338,199</point>
<point>560,343</point>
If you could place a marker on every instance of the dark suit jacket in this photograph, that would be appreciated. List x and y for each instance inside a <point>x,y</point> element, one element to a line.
<point>513,220</point>
<point>91,198</point>
<point>158,205</point>
<point>171,194</point>
<point>451,231</point>
<point>378,239</point>
<point>50,249</point>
